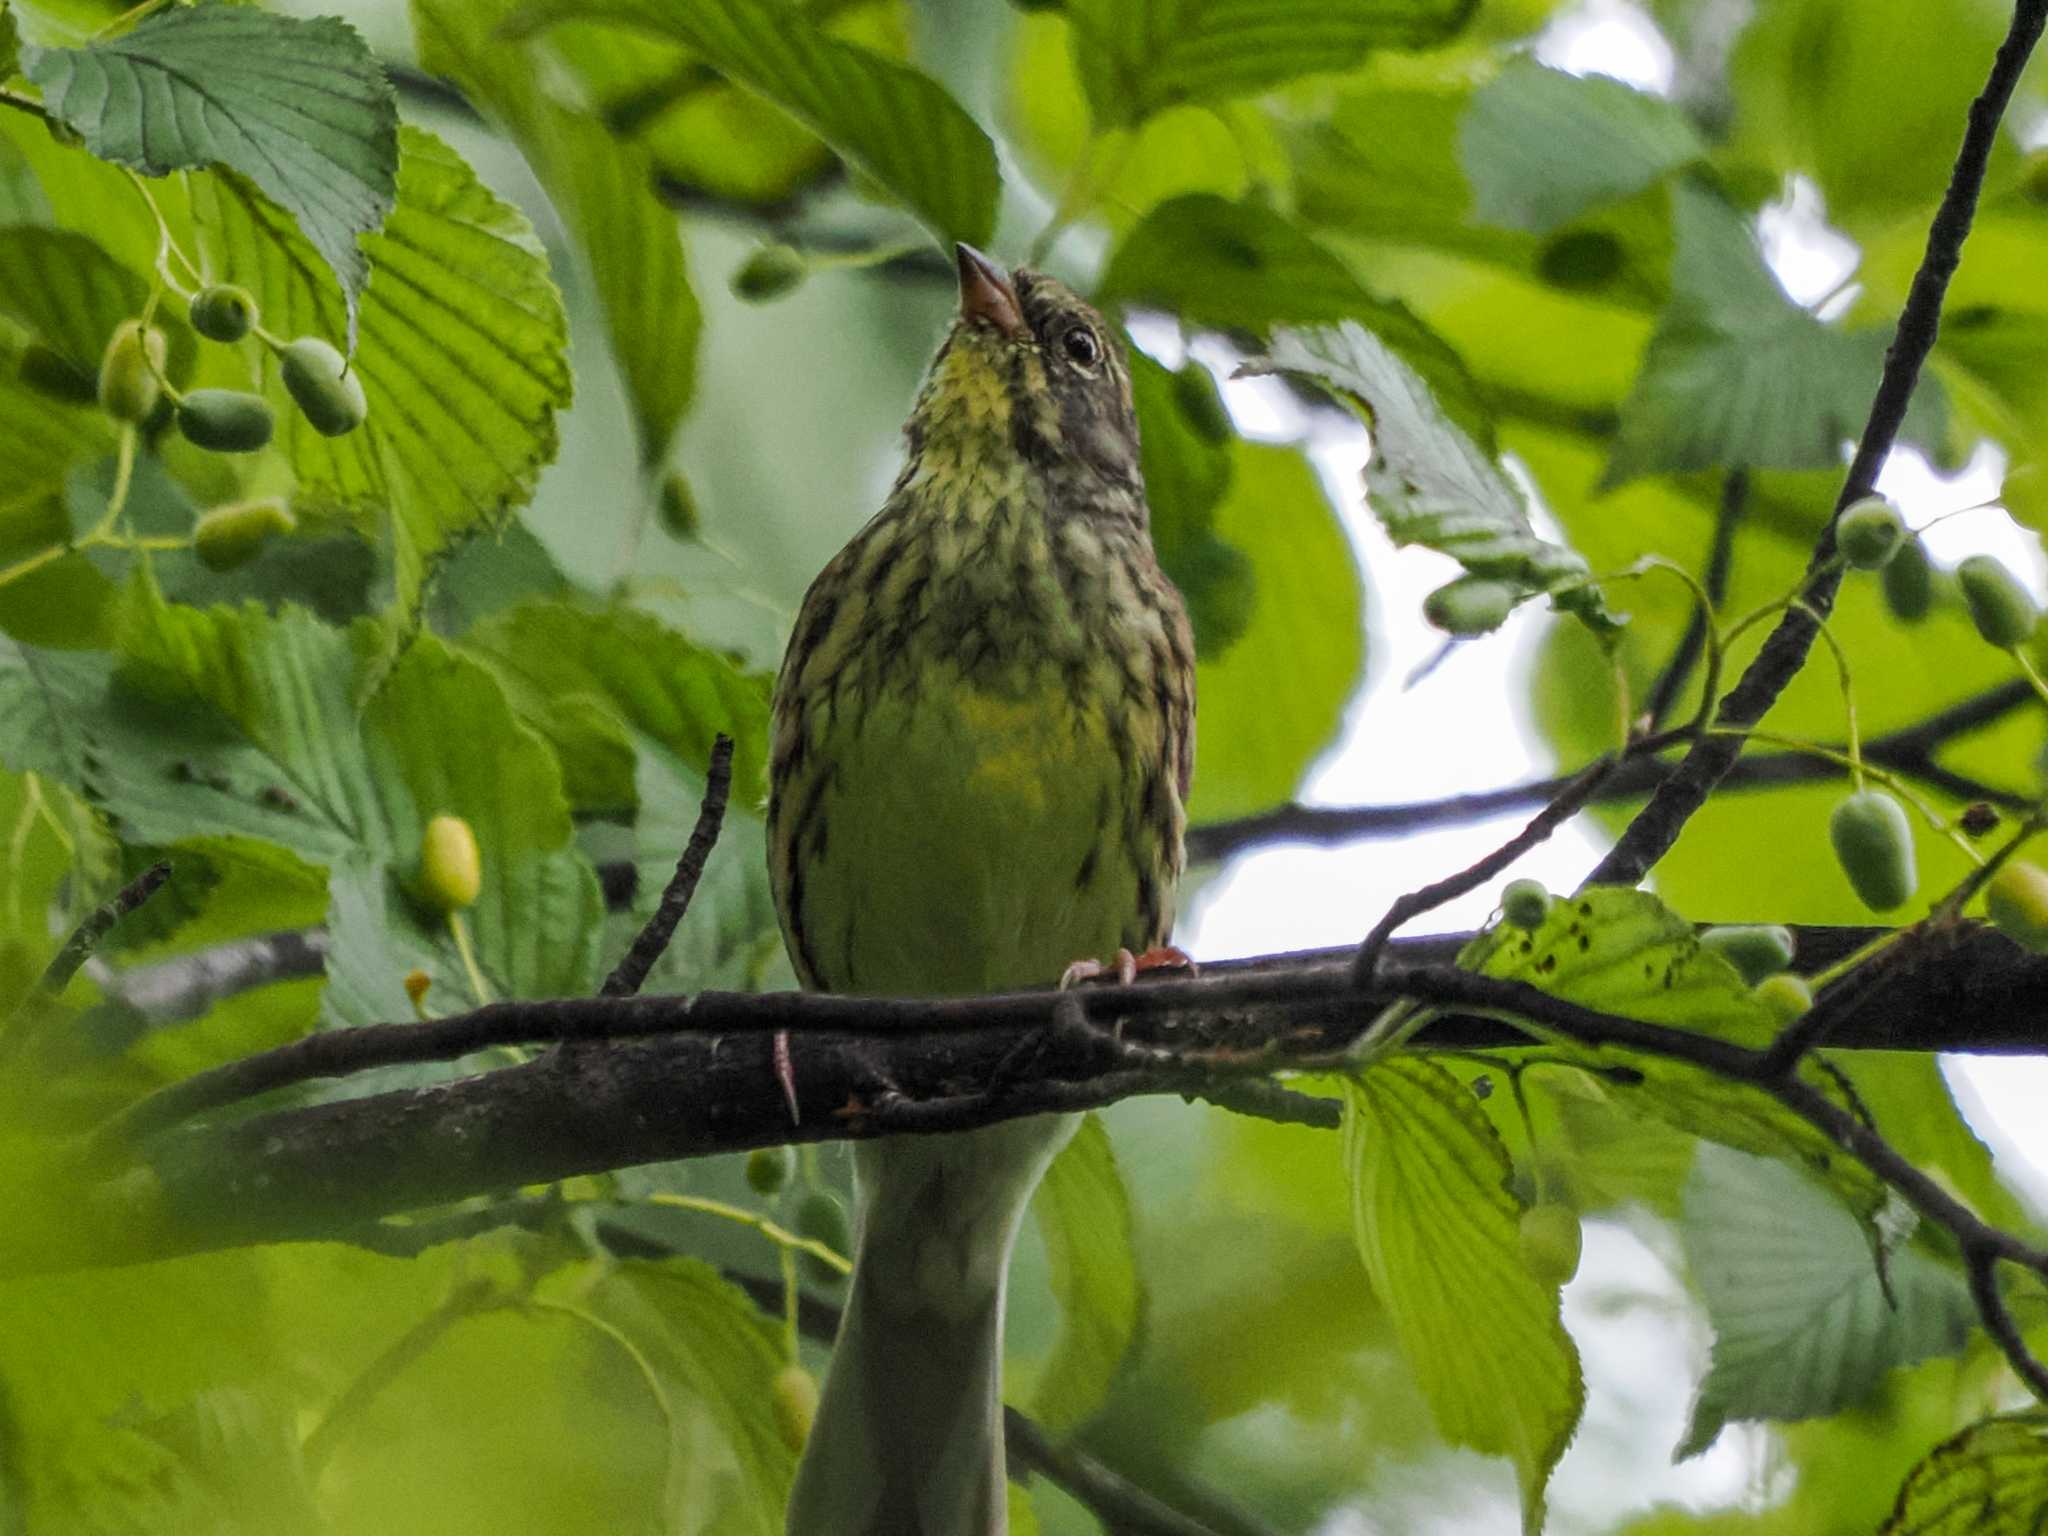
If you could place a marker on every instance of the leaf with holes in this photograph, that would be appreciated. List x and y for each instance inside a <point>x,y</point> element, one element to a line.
<point>301,108</point>
<point>463,354</point>
<point>897,125</point>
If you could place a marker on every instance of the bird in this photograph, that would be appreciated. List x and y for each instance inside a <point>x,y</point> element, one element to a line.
<point>981,747</point>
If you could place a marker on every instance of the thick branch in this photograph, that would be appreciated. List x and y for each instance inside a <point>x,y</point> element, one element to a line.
<point>1650,836</point>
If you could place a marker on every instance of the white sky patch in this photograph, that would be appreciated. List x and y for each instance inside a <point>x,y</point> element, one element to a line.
<point>1609,37</point>
<point>1811,258</point>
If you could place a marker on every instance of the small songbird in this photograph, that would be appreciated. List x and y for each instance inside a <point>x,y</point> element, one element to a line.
<point>983,734</point>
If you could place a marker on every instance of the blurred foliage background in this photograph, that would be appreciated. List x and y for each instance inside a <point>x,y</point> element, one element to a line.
<point>590,590</point>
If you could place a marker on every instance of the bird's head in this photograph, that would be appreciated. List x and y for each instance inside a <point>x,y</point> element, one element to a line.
<point>1031,373</point>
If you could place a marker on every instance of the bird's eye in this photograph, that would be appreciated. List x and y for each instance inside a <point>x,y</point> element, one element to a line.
<point>1082,347</point>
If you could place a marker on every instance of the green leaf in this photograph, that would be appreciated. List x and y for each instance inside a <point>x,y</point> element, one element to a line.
<point>1738,375</point>
<point>1803,1323</point>
<point>1136,57</point>
<point>10,42</point>
<point>1276,698</point>
<point>569,666</point>
<point>1440,1235</point>
<point>71,295</point>
<point>895,125</point>
<point>1540,146</point>
<point>604,189</point>
<point>301,108</point>
<point>463,354</point>
<point>1187,468</point>
<point>1084,1212</point>
<point>1428,481</point>
<point>1241,266</point>
<point>1990,1480</point>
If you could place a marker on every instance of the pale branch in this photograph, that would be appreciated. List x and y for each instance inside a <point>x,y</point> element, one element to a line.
<point>627,976</point>
<point>1908,751</point>
<point>1657,826</point>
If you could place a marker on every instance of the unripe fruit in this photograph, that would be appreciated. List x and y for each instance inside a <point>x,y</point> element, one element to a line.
<point>2002,609</point>
<point>678,508</point>
<point>2017,899</point>
<point>1195,392</point>
<point>769,1169</point>
<point>1786,996</point>
<point>1874,845</point>
<point>822,1219</point>
<point>223,312</point>
<point>794,1397</point>
<point>1550,1239</point>
<point>323,386</point>
<point>1525,903</point>
<point>1909,581</point>
<point>230,535</point>
<point>128,384</point>
<point>1756,951</point>
<point>451,867</point>
<point>226,420</point>
<point>417,984</point>
<point>768,273</point>
<point>50,372</point>
<point>1471,605</point>
<point>1869,532</point>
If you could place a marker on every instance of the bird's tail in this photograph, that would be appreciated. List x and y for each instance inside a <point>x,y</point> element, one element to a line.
<point>908,1437</point>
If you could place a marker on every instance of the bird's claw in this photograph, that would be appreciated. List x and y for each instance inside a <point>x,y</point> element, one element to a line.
<point>1127,966</point>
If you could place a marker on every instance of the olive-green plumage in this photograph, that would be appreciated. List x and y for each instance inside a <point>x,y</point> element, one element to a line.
<point>983,735</point>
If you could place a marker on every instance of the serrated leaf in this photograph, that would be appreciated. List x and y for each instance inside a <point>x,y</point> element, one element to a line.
<point>1623,951</point>
<point>1440,1235</point>
<point>69,292</point>
<point>1541,146</point>
<point>1736,374</point>
<point>1242,266</point>
<point>1803,1323</point>
<point>301,108</point>
<point>1428,482</point>
<point>1084,1213</point>
<point>1136,57</point>
<point>1990,1480</point>
<point>633,672</point>
<point>1187,472</point>
<point>463,353</point>
<point>896,125</point>
<point>604,188</point>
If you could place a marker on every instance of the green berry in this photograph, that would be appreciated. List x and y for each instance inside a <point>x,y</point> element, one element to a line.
<point>1756,951</point>
<point>50,372</point>
<point>223,312</point>
<point>2017,899</point>
<point>770,1168</point>
<point>1869,532</point>
<point>1909,581</point>
<point>1550,1238</point>
<point>822,1219</point>
<point>1525,903</point>
<point>323,386</point>
<point>226,420</point>
<point>770,272</point>
<point>2003,610</point>
<point>451,865</point>
<point>230,535</point>
<point>1201,403</point>
<point>1874,845</point>
<point>794,1396</point>
<point>1471,605</point>
<point>130,371</point>
<point>1785,996</point>
<point>678,508</point>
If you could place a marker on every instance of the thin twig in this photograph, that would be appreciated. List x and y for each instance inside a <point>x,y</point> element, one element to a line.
<point>1657,826</point>
<point>652,939</point>
<point>86,937</point>
<point>1982,1266</point>
<point>1568,804</point>
<point>1720,559</point>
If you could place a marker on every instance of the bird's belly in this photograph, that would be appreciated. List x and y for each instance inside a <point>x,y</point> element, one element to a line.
<point>970,842</point>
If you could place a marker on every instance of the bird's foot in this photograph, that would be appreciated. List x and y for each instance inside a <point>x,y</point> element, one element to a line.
<point>1128,966</point>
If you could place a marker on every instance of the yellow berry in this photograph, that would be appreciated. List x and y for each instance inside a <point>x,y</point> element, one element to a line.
<point>230,535</point>
<point>2017,899</point>
<point>1785,995</point>
<point>129,372</point>
<point>451,868</point>
<point>1551,1239</point>
<point>794,1396</point>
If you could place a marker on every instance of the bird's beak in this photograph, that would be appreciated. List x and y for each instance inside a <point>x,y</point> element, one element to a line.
<point>986,295</point>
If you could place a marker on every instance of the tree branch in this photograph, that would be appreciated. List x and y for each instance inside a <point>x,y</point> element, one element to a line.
<point>1720,560</point>
<point>648,944</point>
<point>1657,826</point>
